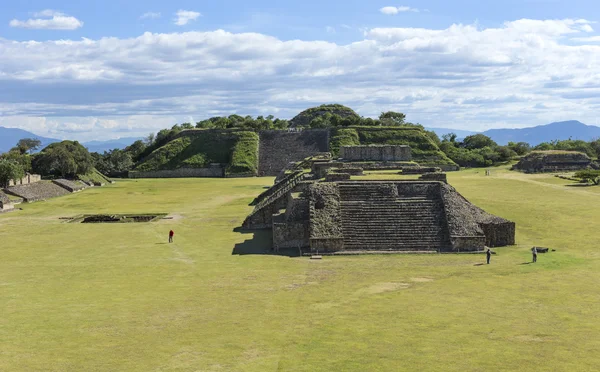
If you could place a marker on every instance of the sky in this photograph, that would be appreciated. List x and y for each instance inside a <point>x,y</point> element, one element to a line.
<point>98,70</point>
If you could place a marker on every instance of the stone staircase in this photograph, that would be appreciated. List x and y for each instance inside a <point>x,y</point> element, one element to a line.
<point>269,204</point>
<point>373,219</point>
<point>291,178</point>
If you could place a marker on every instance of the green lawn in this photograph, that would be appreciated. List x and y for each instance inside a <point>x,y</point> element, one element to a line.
<point>115,297</point>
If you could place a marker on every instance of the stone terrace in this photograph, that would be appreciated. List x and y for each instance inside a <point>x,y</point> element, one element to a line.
<point>71,186</point>
<point>38,191</point>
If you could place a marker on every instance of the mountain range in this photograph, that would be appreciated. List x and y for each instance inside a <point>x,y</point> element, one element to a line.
<point>10,136</point>
<point>533,135</point>
<point>563,130</point>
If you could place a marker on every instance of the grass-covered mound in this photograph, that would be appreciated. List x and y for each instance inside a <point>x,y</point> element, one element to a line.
<point>200,148</point>
<point>304,118</point>
<point>424,150</point>
<point>94,177</point>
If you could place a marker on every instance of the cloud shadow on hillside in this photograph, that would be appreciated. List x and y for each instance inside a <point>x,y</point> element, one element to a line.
<point>260,243</point>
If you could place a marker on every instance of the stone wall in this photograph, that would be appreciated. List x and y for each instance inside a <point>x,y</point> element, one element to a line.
<point>436,176</point>
<point>499,234</point>
<point>291,230</point>
<point>420,170</point>
<point>5,203</point>
<point>28,179</point>
<point>376,153</point>
<point>181,173</point>
<point>279,148</point>
<point>325,218</point>
<point>335,177</point>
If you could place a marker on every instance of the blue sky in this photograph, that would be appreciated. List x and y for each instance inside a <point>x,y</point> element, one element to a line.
<point>107,69</point>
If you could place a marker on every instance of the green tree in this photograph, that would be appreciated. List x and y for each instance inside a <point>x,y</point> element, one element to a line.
<point>595,144</point>
<point>391,118</point>
<point>65,159</point>
<point>520,148</point>
<point>478,141</point>
<point>26,145</point>
<point>590,176</point>
<point>114,162</point>
<point>9,170</point>
<point>449,137</point>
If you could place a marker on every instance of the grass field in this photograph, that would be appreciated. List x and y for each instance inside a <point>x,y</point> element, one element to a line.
<point>116,297</point>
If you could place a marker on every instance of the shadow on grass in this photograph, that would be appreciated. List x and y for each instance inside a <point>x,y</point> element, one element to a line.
<point>581,185</point>
<point>260,244</point>
<point>526,263</point>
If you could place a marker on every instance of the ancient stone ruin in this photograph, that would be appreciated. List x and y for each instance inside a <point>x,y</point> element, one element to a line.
<point>337,216</point>
<point>43,190</point>
<point>5,203</point>
<point>553,161</point>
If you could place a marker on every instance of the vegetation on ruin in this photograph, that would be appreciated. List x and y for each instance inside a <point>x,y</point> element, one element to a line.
<point>424,149</point>
<point>591,149</point>
<point>320,116</point>
<point>237,149</point>
<point>98,297</point>
<point>94,176</point>
<point>244,155</point>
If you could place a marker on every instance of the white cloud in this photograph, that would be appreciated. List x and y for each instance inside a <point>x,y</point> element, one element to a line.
<point>330,29</point>
<point>591,39</point>
<point>464,75</point>
<point>150,15</point>
<point>392,10</point>
<point>48,20</point>
<point>186,16</point>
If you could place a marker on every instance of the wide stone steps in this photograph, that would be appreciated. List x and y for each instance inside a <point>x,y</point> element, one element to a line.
<point>372,221</point>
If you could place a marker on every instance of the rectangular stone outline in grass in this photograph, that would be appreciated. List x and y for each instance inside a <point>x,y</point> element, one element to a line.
<point>118,218</point>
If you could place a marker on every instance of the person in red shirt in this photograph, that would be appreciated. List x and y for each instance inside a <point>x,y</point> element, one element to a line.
<point>171,234</point>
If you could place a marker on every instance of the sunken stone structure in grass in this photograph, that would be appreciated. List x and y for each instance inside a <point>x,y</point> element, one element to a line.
<point>553,161</point>
<point>338,215</point>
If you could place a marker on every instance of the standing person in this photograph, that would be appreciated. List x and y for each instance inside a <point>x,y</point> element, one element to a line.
<point>171,234</point>
<point>488,255</point>
<point>534,252</point>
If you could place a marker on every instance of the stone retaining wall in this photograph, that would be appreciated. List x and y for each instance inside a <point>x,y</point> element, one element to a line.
<point>376,153</point>
<point>436,176</point>
<point>214,172</point>
<point>279,148</point>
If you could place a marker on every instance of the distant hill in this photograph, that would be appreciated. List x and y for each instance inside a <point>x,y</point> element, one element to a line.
<point>101,146</point>
<point>544,133</point>
<point>10,136</point>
